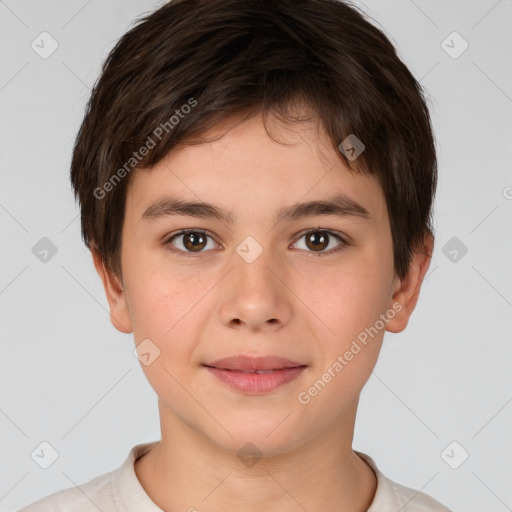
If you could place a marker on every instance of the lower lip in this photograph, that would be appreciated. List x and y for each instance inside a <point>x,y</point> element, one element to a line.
<point>257,383</point>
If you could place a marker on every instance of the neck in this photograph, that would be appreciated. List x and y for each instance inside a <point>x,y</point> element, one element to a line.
<point>187,471</point>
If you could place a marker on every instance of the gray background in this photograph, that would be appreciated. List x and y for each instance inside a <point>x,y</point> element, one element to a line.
<point>69,378</point>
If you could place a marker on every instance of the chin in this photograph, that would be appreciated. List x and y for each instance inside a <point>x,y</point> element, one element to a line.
<point>260,439</point>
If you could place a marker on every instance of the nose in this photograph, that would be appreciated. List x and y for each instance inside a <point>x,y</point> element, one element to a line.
<point>256,296</point>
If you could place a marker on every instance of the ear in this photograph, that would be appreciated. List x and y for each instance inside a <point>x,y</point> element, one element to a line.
<point>119,314</point>
<point>406,291</point>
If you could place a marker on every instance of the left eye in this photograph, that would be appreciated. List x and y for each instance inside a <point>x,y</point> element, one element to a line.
<point>318,241</point>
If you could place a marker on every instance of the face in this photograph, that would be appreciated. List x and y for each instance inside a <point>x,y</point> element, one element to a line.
<point>258,276</point>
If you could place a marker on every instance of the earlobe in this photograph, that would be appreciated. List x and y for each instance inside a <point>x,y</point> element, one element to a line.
<point>406,291</point>
<point>119,314</point>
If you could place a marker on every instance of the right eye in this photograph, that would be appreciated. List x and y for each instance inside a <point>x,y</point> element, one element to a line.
<point>190,241</point>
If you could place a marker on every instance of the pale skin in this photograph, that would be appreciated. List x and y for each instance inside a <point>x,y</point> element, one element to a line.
<point>288,302</point>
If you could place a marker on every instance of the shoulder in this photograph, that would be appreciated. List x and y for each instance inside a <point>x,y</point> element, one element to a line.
<point>89,497</point>
<point>394,496</point>
<point>415,501</point>
<point>117,490</point>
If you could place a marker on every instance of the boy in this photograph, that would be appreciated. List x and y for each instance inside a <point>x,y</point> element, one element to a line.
<point>256,181</point>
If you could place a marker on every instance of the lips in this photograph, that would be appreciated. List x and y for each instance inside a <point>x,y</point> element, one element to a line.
<point>254,364</point>
<point>255,375</point>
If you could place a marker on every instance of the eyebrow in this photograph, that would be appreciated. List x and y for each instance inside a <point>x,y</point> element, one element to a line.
<point>339,205</point>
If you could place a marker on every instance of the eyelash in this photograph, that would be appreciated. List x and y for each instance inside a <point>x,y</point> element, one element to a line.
<point>343,242</point>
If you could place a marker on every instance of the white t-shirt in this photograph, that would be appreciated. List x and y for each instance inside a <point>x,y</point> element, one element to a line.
<point>121,491</point>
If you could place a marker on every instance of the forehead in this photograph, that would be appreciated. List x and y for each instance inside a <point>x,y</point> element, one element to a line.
<point>242,169</point>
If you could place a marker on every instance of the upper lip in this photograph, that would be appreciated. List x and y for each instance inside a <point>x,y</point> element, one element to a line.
<point>248,363</point>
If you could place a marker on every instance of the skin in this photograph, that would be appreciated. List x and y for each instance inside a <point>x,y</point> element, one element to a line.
<point>289,302</point>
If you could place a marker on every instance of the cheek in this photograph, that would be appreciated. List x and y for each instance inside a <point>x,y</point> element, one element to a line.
<point>160,300</point>
<point>162,310</point>
<point>351,309</point>
<point>349,300</point>
<point>346,297</point>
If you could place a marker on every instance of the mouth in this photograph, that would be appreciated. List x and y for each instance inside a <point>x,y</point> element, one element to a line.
<point>255,375</point>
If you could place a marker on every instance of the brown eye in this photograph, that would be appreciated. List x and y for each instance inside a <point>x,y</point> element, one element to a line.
<point>194,241</point>
<point>317,241</point>
<point>190,241</point>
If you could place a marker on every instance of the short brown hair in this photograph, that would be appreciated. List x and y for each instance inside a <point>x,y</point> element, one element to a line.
<point>224,57</point>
